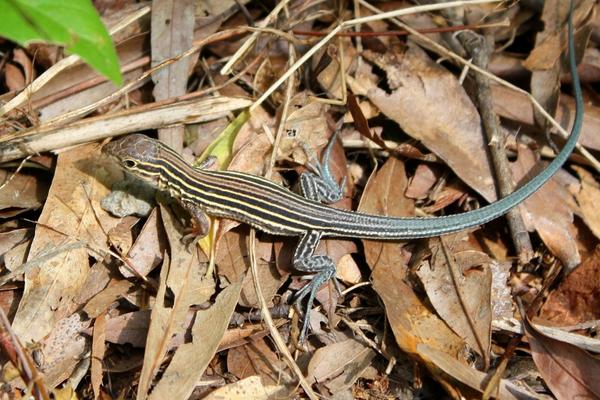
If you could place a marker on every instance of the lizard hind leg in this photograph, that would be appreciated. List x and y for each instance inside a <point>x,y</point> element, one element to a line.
<point>319,184</point>
<point>322,267</point>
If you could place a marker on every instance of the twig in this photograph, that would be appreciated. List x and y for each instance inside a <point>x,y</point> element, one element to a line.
<point>351,23</point>
<point>270,324</point>
<point>250,41</point>
<point>479,49</point>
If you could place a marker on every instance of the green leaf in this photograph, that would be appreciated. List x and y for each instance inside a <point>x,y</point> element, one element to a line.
<point>74,24</point>
<point>222,146</point>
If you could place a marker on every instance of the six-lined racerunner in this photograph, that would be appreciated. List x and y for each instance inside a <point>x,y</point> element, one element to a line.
<point>276,210</point>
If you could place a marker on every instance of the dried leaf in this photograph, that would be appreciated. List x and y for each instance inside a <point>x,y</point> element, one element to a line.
<point>98,353</point>
<point>339,365</point>
<point>64,348</point>
<point>577,298</point>
<point>411,320</point>
<point>20,193</point>
<point>100,302</point>
<point>419,86</point>
<point>552,219</point>
<point>232,261</point>
<point>182,275</point>
<point>131,328</point>
<point>147,250</point>
<point>257,358</point>
<point>568,371</point>
<point>588,199</point>
<point>471,377</point>
<point>459,286</point>
<point>72,212</point>
<point>191,359</point>
<point>244,389</point>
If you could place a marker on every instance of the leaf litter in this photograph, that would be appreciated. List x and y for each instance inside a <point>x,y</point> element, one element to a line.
<point>119,307</point>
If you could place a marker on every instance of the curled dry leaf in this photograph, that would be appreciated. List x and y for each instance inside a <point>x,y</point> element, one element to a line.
<point>418,87</point>
<point>410,318</point>
<point>577,298</point>
<point>71,215</point>
<point>549,211</point>
<point>458,284</point>
<point>569,372</point>
<point>338,365</point>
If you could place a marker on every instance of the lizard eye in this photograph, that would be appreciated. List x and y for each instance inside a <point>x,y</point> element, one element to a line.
<point>128,163</point>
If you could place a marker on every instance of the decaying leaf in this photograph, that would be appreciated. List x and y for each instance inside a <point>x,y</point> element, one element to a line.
<point>568,371</point>
<point>182,276</point>
<point>339,365</point>
<point>71,214</point>
<point>577,299</point>
<point>191,359</point>
<point>458,284</point>
<point>419,86</point>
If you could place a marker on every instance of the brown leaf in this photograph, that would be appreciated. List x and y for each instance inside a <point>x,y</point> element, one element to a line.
<point>232,261</point>
<point>458,284</point>
<point>552,219</point>
<point>339,365</point>
<point>471,377</point>
<point>182,275</point>
<point>384,195</point>
<point>306,123</point>
<point>15,80</point>
<point>330,77</point>
<point>98,349</point>
<point>568,371</point>
<point>147,250</point>
<point>577,298</point>
<point>64,348</point>
<point>20,193</point>
<point>517,107</point>
<point>129,328</point>
<point>410,318</point>
<point>244,389</point>
<point>12,238</point>
<point>22,58</point>
<point>191,359</point>
<point>422,181</point>
<point>257,358</point>
<point>71,216</point>
<point>419,86</point>
<point>100,302</point>
<point>588,199</point>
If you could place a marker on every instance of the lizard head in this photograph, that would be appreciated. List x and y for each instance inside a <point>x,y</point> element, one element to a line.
<point>138,155</point>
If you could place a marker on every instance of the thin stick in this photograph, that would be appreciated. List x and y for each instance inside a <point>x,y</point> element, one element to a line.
<point>351,23</point>
<point>264,308</point>
<point>250,41</point>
